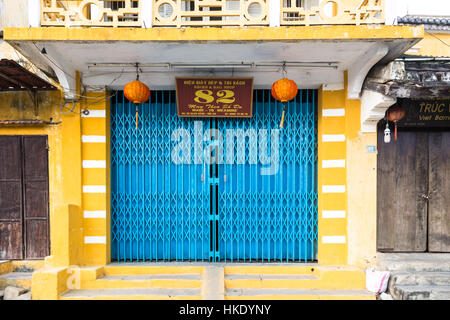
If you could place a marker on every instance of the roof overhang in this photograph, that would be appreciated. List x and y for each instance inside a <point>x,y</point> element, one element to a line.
<point>412,77</point>
<point>321,54</point>
<point>14,77</point>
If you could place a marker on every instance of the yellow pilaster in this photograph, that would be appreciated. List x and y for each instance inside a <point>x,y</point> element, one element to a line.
<point>332,187</point>
<point>65,250</point>
<point>95,178</point>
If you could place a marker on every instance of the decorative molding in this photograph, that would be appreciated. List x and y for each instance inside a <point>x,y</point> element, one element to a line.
<point>89,164</point>
<point>81,13</point>
<point>101,214</point>
<point>333,214</point>
<point>93,139</point>
<point>94,189</point>
<point>332,12</point>
<point>94,114</point>
<point>334,239</point>
<point>95,240</point>
<point>333,112</point>
<point>358,71</point>
<point>333,137</point>
<point>373,109</point>
<point>333,189</point>
<point>333,163</point>
<point>177,13</point>
<point>333,87</point>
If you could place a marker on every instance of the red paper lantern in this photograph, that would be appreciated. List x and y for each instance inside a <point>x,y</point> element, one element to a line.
<point>284,90</point>
<point>137,92</point>
<point>396,114</point>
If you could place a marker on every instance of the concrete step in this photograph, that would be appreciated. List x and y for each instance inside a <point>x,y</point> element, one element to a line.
<point>420,278</point>
<point>133,294</point>
<point>5,266</point>
<point>150,268</point>
<point>267,281</point>
<point>297,294</point>
<point>16,279</point>
<point>294,277</point>
<point>405,292</point>
<point>422,262</point>
<point>161,281</point>
<point>270,269</point>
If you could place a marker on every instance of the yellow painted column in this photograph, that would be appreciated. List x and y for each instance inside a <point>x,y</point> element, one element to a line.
<point>65,250</point>
<point>332,177</point>
<point>96,178</point>
<point>362,189</point>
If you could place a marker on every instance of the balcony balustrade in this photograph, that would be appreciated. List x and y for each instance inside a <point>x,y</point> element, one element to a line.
<point>213,13</point>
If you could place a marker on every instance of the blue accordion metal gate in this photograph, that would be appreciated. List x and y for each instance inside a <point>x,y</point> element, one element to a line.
<point>225,211</point>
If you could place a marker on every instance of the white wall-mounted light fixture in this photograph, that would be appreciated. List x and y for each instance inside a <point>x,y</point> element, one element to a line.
<point>231,65</point>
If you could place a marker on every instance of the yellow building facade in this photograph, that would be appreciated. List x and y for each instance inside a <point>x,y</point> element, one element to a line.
<point>80,206</point>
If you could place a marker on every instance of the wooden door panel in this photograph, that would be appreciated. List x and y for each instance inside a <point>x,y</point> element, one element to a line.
<point>35,152</point>
<point>10,158</point>
<point>10,200</point>
<point>402,178</point>
<point>11,216</point>
<point>439,190</point>
<point>36,199</point>
<point>36,242</point>
<point>386,192</point>
<point>11,246</point>
<point>35,195</point>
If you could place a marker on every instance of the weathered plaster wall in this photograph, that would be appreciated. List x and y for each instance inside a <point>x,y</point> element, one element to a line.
<point>64,165</point>
<point>20,106</point>
<point>362,189</point>
<point>347,212</point>
<point>13,13</point>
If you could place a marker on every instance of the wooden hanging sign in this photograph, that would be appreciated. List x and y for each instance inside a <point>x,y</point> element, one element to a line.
<point>215,97</point>
<point>425,113</point>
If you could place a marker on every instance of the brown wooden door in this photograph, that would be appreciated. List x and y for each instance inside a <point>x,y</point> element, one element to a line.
<point>413,194</point>
<point>439,192</point>
<point>24,197</point>
<point>11,230</point>
<point>35,196</point>
<point>402,180</point>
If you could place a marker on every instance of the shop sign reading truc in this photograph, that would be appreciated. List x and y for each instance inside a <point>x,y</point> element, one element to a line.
<point>425,113</point>
<point>214,97</point>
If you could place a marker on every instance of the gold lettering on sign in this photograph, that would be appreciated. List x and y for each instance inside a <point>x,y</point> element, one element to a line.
<point>214,97</point>
<point>432,107</point>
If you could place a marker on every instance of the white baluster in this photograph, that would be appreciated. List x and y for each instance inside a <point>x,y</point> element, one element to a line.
<point>34,13</point>
<point>274,13</point>
<point>147,13</point>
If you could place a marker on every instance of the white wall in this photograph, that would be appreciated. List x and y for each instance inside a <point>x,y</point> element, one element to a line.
<point>13,13</point>
<point>400,8</point>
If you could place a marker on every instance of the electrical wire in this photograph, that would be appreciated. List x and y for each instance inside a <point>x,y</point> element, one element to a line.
<point>53,62</point>
<point>74,92</point>
<point>433,35</point>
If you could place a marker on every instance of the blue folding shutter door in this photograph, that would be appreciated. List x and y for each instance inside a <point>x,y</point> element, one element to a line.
<point>272,217</point>
<point>160,211</point>
<point>229,212</point>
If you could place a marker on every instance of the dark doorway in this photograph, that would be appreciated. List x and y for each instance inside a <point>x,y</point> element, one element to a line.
<point>413,194</point>
<point>24,205</point>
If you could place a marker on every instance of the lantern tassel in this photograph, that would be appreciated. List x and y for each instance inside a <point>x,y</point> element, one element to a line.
<point>395,131</point>
<point>137,117</point>
<point>282,117</point>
